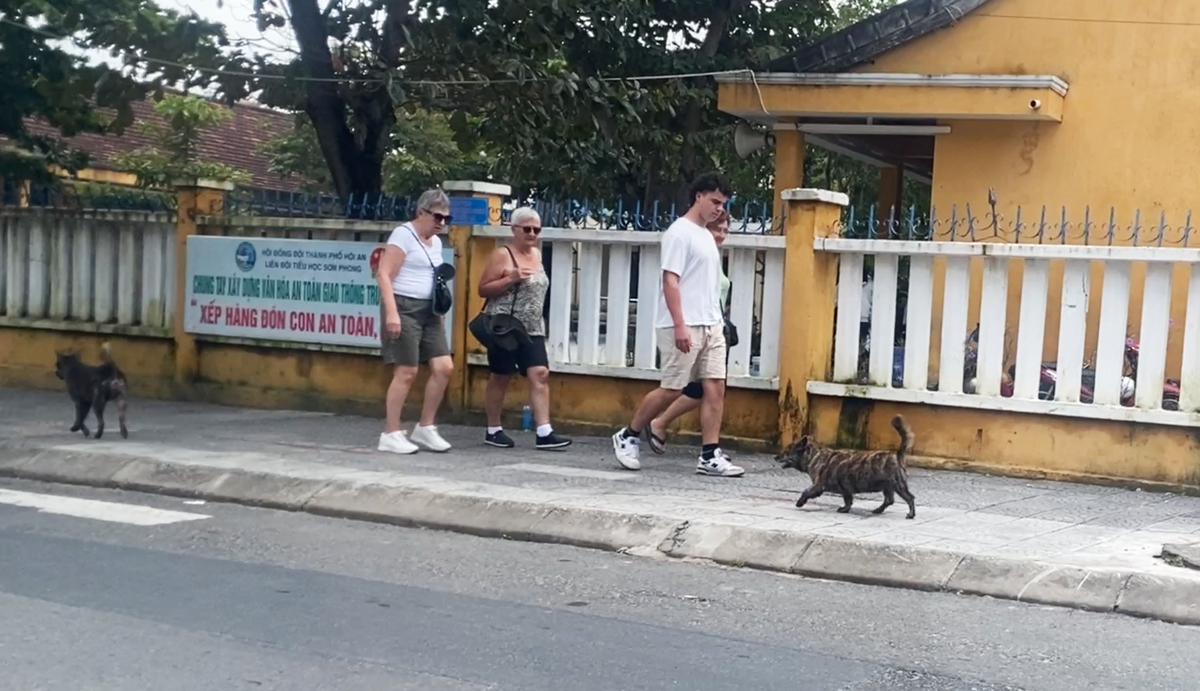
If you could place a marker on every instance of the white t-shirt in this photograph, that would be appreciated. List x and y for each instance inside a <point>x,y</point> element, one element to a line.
<point>415,277</point>
<point>689,251</point>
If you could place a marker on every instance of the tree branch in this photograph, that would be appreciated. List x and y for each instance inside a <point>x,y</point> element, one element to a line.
<point>395,35</point>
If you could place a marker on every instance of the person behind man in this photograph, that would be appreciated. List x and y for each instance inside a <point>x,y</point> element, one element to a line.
<point>690,326</point>
<point>515,282</point>
<point>694,391</point>
<point>413,334</point>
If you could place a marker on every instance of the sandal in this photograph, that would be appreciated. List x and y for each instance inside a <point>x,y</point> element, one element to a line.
<point>657,444</point>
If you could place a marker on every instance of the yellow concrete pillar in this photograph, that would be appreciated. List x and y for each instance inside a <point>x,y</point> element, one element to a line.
<point>789,166</point>
<point>810,289</point>
<point>195,199</point>
<point>472,204</point>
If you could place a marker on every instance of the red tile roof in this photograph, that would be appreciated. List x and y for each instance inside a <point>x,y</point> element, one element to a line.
<point>236,143</point>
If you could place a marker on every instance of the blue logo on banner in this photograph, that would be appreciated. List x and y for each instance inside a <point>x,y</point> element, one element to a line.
<point>245,256</point>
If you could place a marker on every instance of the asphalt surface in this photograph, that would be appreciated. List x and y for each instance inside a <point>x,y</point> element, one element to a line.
<point>257,599</point>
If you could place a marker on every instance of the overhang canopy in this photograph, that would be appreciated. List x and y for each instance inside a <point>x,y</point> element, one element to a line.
<point>782,97</point>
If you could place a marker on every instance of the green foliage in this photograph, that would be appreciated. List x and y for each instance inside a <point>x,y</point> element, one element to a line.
<point>401,94</point>
<point>175,157</point>
<point>424,153</point>
<point>42,79</point>
<point>547,87</point>
<point>560,99</point>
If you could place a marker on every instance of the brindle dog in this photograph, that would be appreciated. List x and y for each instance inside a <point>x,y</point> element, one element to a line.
<point>92,387</point>
<point>849,472</point>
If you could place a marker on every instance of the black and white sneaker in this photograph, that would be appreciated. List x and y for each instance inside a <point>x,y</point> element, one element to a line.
<point>552,441</point>
<point>719,466</point>
<point>499,440</point>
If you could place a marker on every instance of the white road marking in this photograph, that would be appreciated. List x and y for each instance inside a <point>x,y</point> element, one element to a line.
<point>112,512</point>
<point>569,472</point>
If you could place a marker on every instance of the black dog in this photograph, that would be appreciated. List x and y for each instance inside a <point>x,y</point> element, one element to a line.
<point>92,387</point>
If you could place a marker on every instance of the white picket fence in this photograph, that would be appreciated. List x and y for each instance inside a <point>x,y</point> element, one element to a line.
<point>91,270</point>
<point>592,273</point>
<point>987,391</point>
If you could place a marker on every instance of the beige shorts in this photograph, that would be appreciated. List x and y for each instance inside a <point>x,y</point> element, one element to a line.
<point>706,359</point>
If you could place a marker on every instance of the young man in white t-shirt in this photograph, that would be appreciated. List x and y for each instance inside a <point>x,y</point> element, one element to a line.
<point>691,330</point>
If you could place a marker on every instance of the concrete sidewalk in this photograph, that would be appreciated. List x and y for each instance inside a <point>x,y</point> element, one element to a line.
<point>1080,546</point>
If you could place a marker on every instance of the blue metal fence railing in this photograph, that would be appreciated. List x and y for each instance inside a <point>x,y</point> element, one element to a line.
<point>746,217</point>
<point>1042,226</point>
<point>85,196</point>
<point>754,218</point>
<point>364,207</point>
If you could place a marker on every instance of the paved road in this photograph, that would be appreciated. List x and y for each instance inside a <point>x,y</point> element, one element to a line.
<point>128,592</point>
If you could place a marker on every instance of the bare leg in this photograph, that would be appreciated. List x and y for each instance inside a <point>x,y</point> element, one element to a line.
<point>712,409</point>
<point>652,406</point>
<point>402,380</point>
<point>539,394</point>
<point>493,397</point>
<point>680,407</point>
<point>440,369</point>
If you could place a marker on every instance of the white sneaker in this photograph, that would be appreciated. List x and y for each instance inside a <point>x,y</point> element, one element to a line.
<point>719,466</point>
<point>396,442</point>
<point>628,450</point>
<point>428,438</point>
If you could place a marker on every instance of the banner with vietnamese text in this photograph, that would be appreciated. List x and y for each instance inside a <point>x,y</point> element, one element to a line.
<point>304,291</point>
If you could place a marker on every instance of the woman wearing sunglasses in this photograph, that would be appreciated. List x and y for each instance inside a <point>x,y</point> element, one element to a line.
<point>514,283</point>
<point>414,333</point>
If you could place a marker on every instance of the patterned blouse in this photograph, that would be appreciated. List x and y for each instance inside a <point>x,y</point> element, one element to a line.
<point>531,299</point>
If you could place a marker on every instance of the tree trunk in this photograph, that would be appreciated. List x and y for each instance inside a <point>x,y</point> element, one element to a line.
<point>693,115</point>
<point>355,160</point>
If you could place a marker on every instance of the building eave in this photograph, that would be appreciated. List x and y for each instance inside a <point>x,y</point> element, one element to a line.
<point>861,42</point>
<point>981,81</point>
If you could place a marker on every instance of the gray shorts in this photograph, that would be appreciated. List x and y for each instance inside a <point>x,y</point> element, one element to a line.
<point>422,334</point>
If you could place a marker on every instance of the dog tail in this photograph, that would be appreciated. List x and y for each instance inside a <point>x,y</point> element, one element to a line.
<point>906,438</point>
<point>106,354</point>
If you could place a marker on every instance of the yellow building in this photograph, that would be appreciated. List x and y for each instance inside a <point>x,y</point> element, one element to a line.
<point>1080,107</point>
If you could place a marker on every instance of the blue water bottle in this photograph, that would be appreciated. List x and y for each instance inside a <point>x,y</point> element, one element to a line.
<point>526,419</point>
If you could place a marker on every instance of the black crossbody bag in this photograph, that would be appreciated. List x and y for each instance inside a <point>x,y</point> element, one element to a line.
<point>502,331</point>
<point>443,273</point>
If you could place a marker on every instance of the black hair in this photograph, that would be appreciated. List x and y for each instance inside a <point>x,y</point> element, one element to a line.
<point>710,182</point>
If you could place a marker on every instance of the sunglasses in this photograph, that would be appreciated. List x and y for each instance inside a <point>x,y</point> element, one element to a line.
<point>440,218</point>
<point>536,230</point>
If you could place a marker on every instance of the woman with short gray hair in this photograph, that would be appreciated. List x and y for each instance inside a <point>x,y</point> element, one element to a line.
<point>514,283</point>
<point>414,331</point>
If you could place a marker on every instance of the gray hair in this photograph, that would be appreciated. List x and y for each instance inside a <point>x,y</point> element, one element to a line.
<point>432,199</point>
<point>523,214</point>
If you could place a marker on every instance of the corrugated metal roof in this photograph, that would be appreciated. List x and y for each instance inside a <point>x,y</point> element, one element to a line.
<point>859,43</point>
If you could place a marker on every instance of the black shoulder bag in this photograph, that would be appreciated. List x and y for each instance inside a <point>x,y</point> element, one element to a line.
<point>502,331</point>
<point>731,334</point>
<point>442,275</point>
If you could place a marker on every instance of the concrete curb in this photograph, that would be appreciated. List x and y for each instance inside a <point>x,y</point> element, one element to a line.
<point>418,502</point>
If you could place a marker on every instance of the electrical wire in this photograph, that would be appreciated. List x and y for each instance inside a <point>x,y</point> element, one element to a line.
<point>375,80</point>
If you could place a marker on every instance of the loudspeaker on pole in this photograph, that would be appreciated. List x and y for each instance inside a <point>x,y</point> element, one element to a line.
<point>747,140</point>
